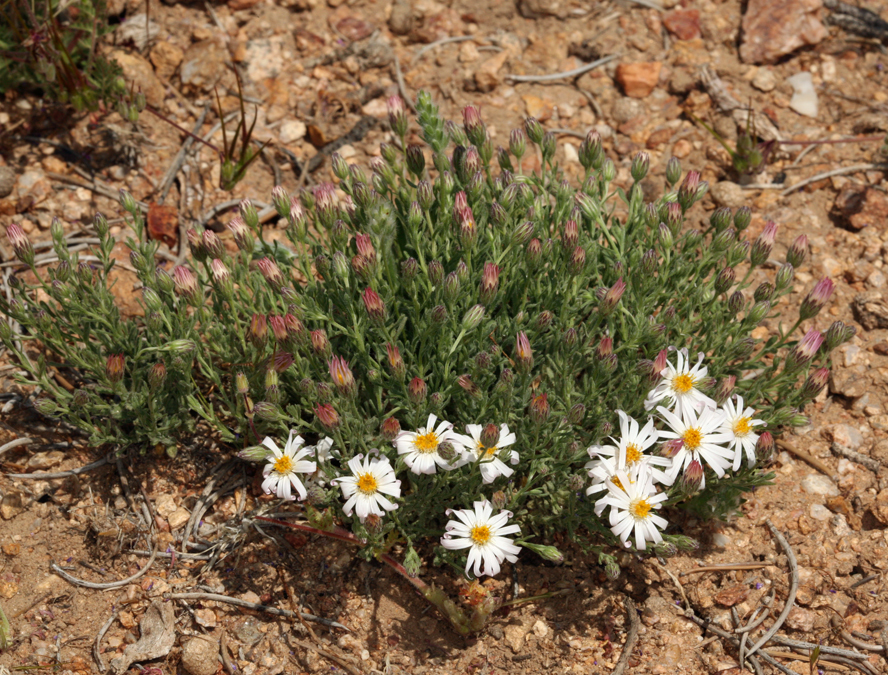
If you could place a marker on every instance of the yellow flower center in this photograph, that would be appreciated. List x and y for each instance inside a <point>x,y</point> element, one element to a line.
<point>682,383</point>
<point>616,481</point>
<point>633,454</point>
<point>741,427</point>
<point>283,465</point>
<point>367,483</point>
<point>484,453</point>
<point>640,508</point>
<point>426,443</point>
<point>692,438</point>
<point>480,534</point>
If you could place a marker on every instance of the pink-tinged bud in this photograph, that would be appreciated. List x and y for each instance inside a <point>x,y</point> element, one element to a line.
<point>797,253</point>
<point>320,344</point>
<point>725,389</point>
<point>671,448</point>
<point>115,366</point>
<point>219,271</point>
<point>195,243</point>
<point>241,233</point>
<point>186,285</point>
<point>761,249</point>
<point>296,332</point>
<point>396,363</point>
<point>374,306</point>
<point>365,247</point>
<point>390,429</point>
<point>499,500</point>
<point>468,386</point>
<point>278,327</point>
<point>212,245</point>
<point>327,416</point>
<point>570,237</point>
<point>577,262</point>
<point>473,317</point>
<point>468,233</point>
<point>815,383</point>
<point>539,408</point>
<point>21,245</point>
<point>282,361</point>
<point>612,297</point>
<point>417,391</point>
<point>342,376</point>
<point>397,115</point>
<point>473,125</point>
<point>489,283</point>
<point>816,299</point>
<point>157,375</point>
<point>660,363</point>
<point>242,383</point>
<point>764,448</point>
<point>605,347</point>
<point>692,478</point>
<point>805,350</point>
<point>687,193</point>
<point>534,253</point>
<point>460,204</point>
<point>523,353</point>
<point>258,331</point>
<point>490,435</point>
<point>272,273</point>
<point>361,267</point>
<point>544,319</point>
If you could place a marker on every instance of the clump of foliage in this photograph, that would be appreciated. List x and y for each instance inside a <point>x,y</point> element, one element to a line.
<point>51,45</point>
<point>533,319</point>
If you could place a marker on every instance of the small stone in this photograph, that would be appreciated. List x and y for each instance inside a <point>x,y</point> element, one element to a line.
<point>801,619</point>
<point>165,505</point>
<point>732,595</point>
<point>537,9</point>
<point>347,151</point>
<point>538,107</point>
<point>682,148</point>
<point>860,206</point>
<point>46,460</point>
<point>166,58</point>
<point>199,656</point>
<point>683,23</point>
<point>11,505</point>
<point>205,617</point>
<point>136,68</point>
<point>848,383</point>
<point>852,354</point>
<point>127,620</point>
<point>638,79</point>
<point>240,5</point>
<point>764,79</point>
<point>202,65</point>
<point>571,156</point>
<point>468,52</point>
<point>178,518</point>
<point>804,96</point>
<point>292,131</point>
<point>8,589</point>
<point>12,549</point>
<point>250,596</point>
<point>880,422</point>
<point>33,185</point>
<point>7,181</point>
<point>818,484</point>
<point>870,310</point>
<point>728,193</point>
<point>355,29</point>
<point>625,109</point>
<point>720,540</point>
<point>847,436</point>
<point>515,635</point>
<point>540,629</point>
<point>487,76</point>
<point>773,28</point>
<point>819,512</point>
<point>401,19</point>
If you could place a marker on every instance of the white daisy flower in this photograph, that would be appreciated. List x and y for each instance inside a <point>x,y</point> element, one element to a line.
<point>420,447</point>
<point>485,534</point>
<point>280,472</point>
<point>739,423</point>
<point>364,489</point>
<point>633,501</point>
<point>324,450</point>
<point>627,452</point>
<point>679,386</point>
<point>701,438</point>
<point>490,464</point>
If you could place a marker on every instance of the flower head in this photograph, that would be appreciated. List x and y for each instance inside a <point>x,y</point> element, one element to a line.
<point>488,454</point>
<point>739,422</point>
<point>702,438</point>
<point>679,386</point>
<point>625,454</point>
<point>420,447</point>
<point>283,466</point>
<point>484,534</point>
<point>816,299</point>
<point>633,500</point>
<point>366,488</point>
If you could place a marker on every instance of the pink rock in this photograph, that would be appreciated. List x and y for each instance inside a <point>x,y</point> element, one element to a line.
<point>638,79</point>
<point>773,28</point>
<point>683,23</point>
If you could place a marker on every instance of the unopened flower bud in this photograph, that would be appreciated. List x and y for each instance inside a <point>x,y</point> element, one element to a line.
<point>590,151</point>
<point>736,302</point>
<point>409,268</point>
<point>489,283</point>
<point>186,285</point>
<point>320,344</point>
<point>397,115</point>
<point>758,312</point>
<point>473,317</point>
<point>128,202</point>
<point>539,408</point>
<point>576,414</point>
<point>115,366</point>
<point>544,319</point>
<point>374,306</point>
<point>271,273</point>
<point>784,277</point>
<point>640,165</point>
<point>157,375</point>
<point>342,376</point>
<point>212,245</point>
<point>665,549</point>
<point>761,249</point>
<point>549,553</point>
<point>534,130</point>
<point>21,245</point>
<point>577,261</point>
<point>673,171</point>
<point>390,429</point>
<point>764,447</point>
<point>533,254</point>
<point>281,361</point>
<point>687,193</point>
<point>327,416</point>
<point>671,448</point>
<point>814,383</point>
<point>46,407</point>
<point>438,314</point>
<point>798,251</point>
<point>720,219</point>
<point>417,391</point>
<point>742,218</point>
<point>570,235</point>
<point>723,240</point>
<point>806,349</point>
<point>816,299</point>
<point>764,291</point>
<point>258,331</point>
<point>605,347</point>
<point>725,389</point>
<point>692,478</point>
<point>611,570</point>
<point>412,563</point>
<point>837,334</point>
<point>612,297</point>
<point>396,363</point>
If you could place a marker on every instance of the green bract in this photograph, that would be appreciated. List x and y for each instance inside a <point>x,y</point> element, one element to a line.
<point>437,284</point>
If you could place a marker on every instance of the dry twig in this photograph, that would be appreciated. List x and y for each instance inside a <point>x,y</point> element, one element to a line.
<point>631,636</point>
<point>568,73</point>
<point>97,647</point>
<point>59,474</point>
<point>253,605</point>
<point>806,457</point>
<point>104,586</point>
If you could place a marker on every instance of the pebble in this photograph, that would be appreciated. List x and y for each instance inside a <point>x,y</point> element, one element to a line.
<point>292,131</point>
<point>683,23</point>
<point>540,629</point>
<point>727,193</point>
<point>487,76</point>
<point>166,58</point>
<point>202,65</point>
<point>165,505</point>
<point>7,181</point>
<point>46,460</point>
<point>34,184</point>
<point>571,156</point>
<point>720,540</point>
<point>847,436</point>
<point>818,484</point>
<point>401,19</point>
<point>538,107</point>
<point>764,79</point>
<point>11,505</point>
<point>136,68</point>
<point>625,109</point>
<point>682,148</point>
<point>820,512</point>
<point>178,518</point>
<point>638,79</point>
<point>200,656</point>
<point>804,97</point>
<point>773,28</point>
<point>801,619</point>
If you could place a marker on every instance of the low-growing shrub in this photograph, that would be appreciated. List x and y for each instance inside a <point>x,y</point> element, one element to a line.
<point>460,352</point>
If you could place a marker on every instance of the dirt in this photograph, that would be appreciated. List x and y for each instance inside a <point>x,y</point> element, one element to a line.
<point>303,68</point>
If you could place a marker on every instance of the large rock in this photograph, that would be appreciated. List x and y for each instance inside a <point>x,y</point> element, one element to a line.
<point>870,309</point>
<point>774,28</point>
